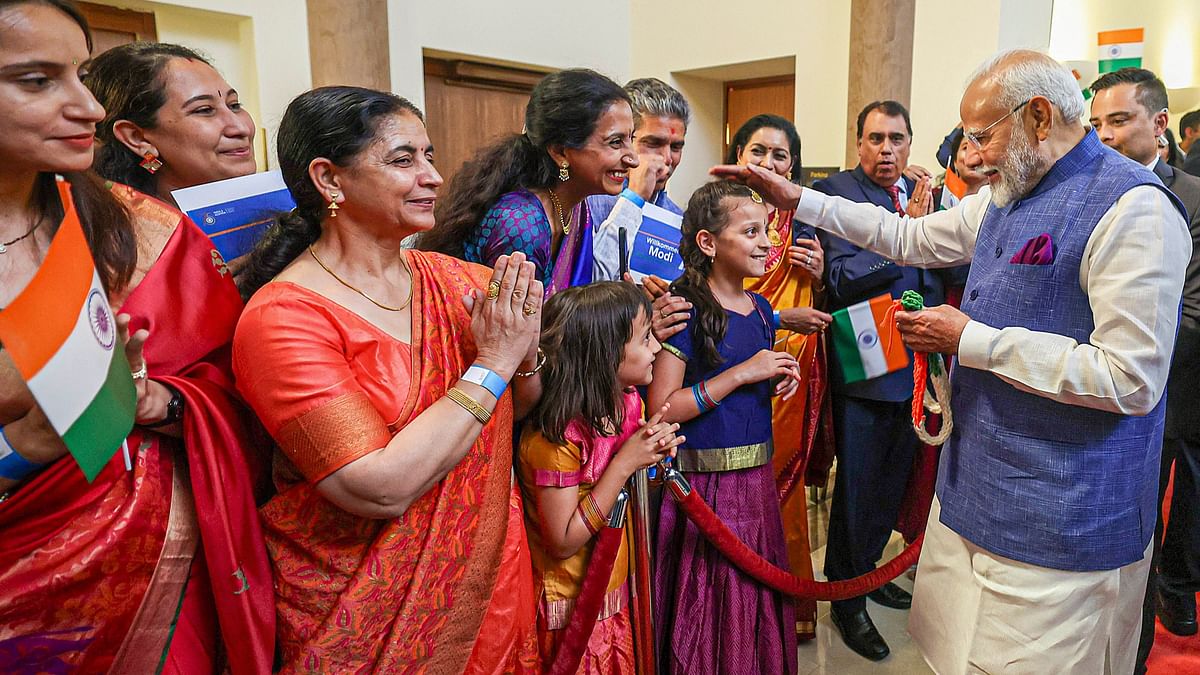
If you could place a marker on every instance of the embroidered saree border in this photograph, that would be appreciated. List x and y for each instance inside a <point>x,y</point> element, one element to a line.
<point>150,634</point>
<point>557,613</point>
<point>331,436</point>
<point>710,460</point>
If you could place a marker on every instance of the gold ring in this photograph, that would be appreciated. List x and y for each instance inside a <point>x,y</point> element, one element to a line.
<point>663,313</point>
<point>530,309</point>
<point>493,290</point>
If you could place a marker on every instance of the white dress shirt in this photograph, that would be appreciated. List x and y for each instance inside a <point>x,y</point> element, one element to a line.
<point>1132,272</point>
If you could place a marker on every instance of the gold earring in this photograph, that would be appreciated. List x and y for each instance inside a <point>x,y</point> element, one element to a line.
<point>789,174</point>
<point>333,205</point>
<point>564,174</point>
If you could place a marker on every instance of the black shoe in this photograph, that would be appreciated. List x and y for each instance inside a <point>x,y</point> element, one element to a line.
<point>891,595</point>
<point>1177,612</point>
<point>860,634</point>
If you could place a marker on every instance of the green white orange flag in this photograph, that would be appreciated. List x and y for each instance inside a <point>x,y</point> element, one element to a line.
<point>867,341</point>
<point>1120,49</point>
<point>62,336</point>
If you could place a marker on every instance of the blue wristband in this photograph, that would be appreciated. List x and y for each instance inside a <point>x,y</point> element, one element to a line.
<point>487,379</point>
<point>633,197</point>
<point>12,465</point>
<point>776,315</point>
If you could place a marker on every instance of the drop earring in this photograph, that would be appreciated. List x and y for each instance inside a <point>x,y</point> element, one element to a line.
<point>150,163</point>
<point>333,205</point>
<point>564,173</point>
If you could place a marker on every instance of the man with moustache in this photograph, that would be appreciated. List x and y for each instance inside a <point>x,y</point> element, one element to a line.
<point>1038,544</point>
<point>1129,113</point>
<point>660,120</point>
<point>875,444</point>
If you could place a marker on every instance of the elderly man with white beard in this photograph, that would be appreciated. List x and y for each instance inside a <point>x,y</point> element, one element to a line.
<point>1038,544</point>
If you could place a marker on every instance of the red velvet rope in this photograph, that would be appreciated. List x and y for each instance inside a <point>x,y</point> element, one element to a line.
<point>587,605</point>
<point>753,564</point>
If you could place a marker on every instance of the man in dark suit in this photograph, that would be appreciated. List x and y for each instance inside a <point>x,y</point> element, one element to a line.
<point>1189,133</point>
<point>872,419</point>
<point>1129,112</point>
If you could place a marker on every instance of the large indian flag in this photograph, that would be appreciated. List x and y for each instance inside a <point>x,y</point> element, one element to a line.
<point>867,341</point>
<point>1120,49</point>
<point>62,336</point>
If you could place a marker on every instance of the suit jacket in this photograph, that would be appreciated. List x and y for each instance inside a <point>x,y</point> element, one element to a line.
<point>1183,394</point>
<point>853,274</point>
<point>1191,163</point>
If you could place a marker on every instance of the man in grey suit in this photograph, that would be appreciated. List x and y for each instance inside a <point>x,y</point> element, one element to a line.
<point>1129,112</point>
<point>1189,133</point>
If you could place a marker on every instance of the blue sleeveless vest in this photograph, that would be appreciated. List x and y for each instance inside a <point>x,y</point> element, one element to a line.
<point>1023,476</point>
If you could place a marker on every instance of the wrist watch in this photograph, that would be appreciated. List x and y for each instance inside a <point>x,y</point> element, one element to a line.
<point>174,409</point>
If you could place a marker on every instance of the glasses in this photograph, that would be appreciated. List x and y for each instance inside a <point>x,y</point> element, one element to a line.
<point>978,138</point>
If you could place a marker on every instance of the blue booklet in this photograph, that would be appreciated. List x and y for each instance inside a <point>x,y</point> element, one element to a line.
<point>235,212</point>
<point>655,249</point>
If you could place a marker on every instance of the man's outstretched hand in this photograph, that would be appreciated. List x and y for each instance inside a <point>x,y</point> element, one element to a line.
<point>779,191</point>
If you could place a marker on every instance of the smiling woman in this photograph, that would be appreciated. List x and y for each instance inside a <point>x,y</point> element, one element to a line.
<point>526,192</point>
<point>138,568</point>
<point>172,121</point>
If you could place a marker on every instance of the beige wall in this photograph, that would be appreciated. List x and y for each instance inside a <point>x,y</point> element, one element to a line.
<point>1172,40</point>
<point>260,46</point>
<point>951,39</point>
<point>547,33</point>
<point>693,44</point>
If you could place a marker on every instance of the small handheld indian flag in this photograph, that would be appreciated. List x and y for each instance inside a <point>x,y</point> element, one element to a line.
<point>1120,49</point>
<point>867,341</point>
<point>62,336</point>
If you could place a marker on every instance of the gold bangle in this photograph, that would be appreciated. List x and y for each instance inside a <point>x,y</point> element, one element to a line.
<point>589,511</point>
<point>469,404</point>
<point>541,361</point>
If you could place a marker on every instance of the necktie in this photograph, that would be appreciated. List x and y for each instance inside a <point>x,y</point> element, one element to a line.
<point>894,192</point>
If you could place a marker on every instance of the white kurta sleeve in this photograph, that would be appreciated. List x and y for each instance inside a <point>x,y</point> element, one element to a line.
<point>1132,271</point>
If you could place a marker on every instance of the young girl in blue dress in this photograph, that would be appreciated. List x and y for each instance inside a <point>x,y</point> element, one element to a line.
<point>718,375</point>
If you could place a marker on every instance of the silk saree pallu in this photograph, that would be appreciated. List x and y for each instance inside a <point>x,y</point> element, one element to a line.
<point>445,587</point>
<point>92,575</point>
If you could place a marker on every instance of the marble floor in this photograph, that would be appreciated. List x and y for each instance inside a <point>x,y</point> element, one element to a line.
<point>827,653</point>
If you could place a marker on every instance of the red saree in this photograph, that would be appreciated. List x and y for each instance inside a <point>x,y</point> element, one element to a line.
<point>92,575</point>
<point>447,587</point>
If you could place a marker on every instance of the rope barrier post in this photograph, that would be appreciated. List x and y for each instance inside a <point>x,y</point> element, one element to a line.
<point>641,602</point>
<point>591,596</point>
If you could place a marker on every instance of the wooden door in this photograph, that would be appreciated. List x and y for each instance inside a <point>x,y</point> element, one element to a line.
<point>746,98</point>
<point>469,105</point>
<point>113,26</point>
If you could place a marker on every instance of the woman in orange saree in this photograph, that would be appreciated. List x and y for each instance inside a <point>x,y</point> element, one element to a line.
<point>396,535</point>
<point>791,283</point>
<point>135,571</point>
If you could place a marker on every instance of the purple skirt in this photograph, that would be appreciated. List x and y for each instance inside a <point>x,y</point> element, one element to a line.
<point>709,617</point>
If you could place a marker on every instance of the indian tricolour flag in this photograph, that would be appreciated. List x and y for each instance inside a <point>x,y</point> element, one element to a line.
<point>1120,49</point>
<point>867,341</point>
<point>62,336</point>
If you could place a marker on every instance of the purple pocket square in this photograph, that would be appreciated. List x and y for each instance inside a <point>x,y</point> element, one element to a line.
<point>1036,251</point>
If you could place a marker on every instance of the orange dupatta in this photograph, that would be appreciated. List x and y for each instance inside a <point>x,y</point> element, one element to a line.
<point>446,587</point>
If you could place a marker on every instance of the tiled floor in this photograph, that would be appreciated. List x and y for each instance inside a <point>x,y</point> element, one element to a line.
<point>827,653</point>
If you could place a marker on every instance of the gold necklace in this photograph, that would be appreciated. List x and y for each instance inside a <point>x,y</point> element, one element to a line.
<point>773,235</point>
<point>373,301</point>
<point>4,245</point>
<point>566,224</point>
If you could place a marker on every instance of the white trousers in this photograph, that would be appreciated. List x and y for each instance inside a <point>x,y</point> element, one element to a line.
<point>977,612</point>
